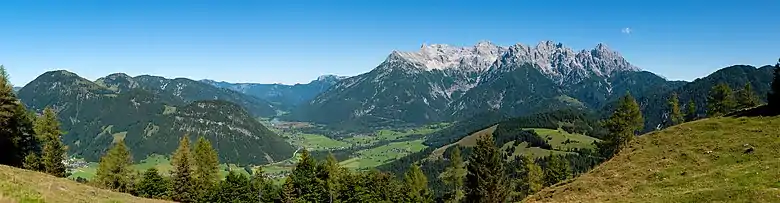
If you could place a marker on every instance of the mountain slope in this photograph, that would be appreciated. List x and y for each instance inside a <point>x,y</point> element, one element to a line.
<point>94,116</point>
<point>186,90</point>
<point>16,89</point>
<point>711,160</point>
<point>284,96</point>
<point>654,107</point>
<point>443,83</point>
<point>19,185</point>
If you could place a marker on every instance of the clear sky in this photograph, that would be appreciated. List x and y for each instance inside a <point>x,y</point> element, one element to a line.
<point>296,41</point>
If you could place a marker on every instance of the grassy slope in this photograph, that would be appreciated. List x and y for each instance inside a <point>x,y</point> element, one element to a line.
<point>701,161</point>
<point>556,138</point>
<point>468,141</point>
<point>18,185</point>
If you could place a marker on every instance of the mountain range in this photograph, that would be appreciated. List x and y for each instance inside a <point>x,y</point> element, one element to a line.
<point>443,83</point>
<point>151,113</point>
<point>283,96</point>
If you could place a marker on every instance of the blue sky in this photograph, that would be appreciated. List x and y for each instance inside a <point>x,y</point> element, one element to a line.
<point>296,41</point>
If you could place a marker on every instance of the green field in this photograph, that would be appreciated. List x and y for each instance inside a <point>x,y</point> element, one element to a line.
<point>534,152</point>
<point>162,163</point>
<point>710,160</point>
<point>382,154</point>
<point>391,135</point>
<point>315,142</point>
<point>557,138</point>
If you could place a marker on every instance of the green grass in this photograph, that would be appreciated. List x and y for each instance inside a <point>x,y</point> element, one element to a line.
<point>391,135</point>
<point>374,157</point>
<point>18,185</point>
<point>162,163</point>
<point>316,142</point>
<point>534,152</point>
<point>700,161</point>
<point>557,138</point>
<point>468,141</point>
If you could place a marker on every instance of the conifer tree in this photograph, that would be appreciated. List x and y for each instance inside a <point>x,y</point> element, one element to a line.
<point>206,170</point>
<point>622,126</point>
<point>288,191</point>
<point>416,185</point>
<point>330,176</point>
<point>720,100</point>
<point>182,181</point>
<point>17,137</point>
<point>674,110</point>
<point>774,95</point>
<point>486,180</point>
<point>454,177</point>
<point>746,97</point>
<point>114,170</point>
<point>691,113</point>
<point>48,129</point>
<point>304,179</point>
<point>262,188</point>
<point>235,188</point>
<point>152,185</point>
<point>534,176</point>
<point>557,170</point>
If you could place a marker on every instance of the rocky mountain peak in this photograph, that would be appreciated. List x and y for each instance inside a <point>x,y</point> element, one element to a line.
<point>448,57</point>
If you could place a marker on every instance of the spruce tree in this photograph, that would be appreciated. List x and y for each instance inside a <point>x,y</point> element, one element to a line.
<point>288,191</point>
<point>746,97</point>
<point>774,95</point>
<point>206,170</point>
<point>691,114</point>
<point>17,137</point>
<point>304,179</point>
<point>48,129</point>
<point>454,177</point>
<point>622,126</point>
<point>235,188</point>
<point>183,188</point>
<point>330,174</point>
<point>674,110</point>
<point>416,185</point>
<point>720,100</point>
<point>486,180</point>
<point>152,185</point>
<point>263,189</point>
<point>557,170</point>
<point>114,170</point>
<point>534,176</point>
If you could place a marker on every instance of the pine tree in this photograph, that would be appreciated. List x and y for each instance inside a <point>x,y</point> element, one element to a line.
<point>454,177</point>
<point>114,170</point>
<point>304,179</point>
<point>691,114</point>
<point>182,180</point>
<point>235,188</point>
<point>288,191</point>
<point>206,171</point>
<point>674,110</point>
<point>746,97</point>
<point>534,176</point>
<point>330,176</point>
<point>720,100</point>
<point>557,170</point>
<point>774,95</point>
<point>262,188</point>
<point>48,129</point>
<point>486,180</point>
<point>416,185</point>
<point>622,126</point>
<point>17,137</point>
<point>152,185</point>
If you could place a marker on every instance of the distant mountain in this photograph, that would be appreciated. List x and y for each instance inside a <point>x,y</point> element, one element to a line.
<point>655,107</point>
<point>151,118</point>
<point>284,96</point>
<point>443,82</point>
<point>16,89</point>
<point>186,90</point>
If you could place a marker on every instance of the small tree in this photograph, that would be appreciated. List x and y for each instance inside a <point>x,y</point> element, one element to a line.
<point>330,174</point>
<point>454,177</point>
<point>720,100</point>
<point>152,185</point>
<point>416,185</point>
<point>486,180</point>
<point>183,186</point>
<point>206,171</point>
<point>674,110</point>
<point>622,126</point>
<point>48,128</point>
<point>774,95</point>
<point>114,170</point>
<point>304,179</point>
<point>557,170</point>
<point>691,115</point>
<point>746,97</point>
<point>235,188</point>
